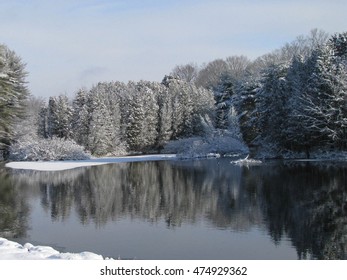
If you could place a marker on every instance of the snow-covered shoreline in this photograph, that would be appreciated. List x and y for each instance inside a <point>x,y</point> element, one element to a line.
<point>10,250</point>
<point>70,164</point>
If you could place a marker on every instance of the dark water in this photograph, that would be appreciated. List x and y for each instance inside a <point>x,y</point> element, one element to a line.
<point>206,209</point>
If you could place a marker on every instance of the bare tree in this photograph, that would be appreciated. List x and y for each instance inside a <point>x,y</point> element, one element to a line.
<point>210,74</point>
<point>237,66</point>
<point>187,72</point>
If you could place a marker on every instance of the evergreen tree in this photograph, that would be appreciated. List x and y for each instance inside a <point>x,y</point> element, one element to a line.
<point>115,92</point>
<point>142,131</point>
<point>296,136</point>
<point>52,117</point>
<point>317,105</point>
<point>13,94</point>
<point>202,108</point>
<point>135,119</point>
<point>80,118</point>
<point>42,129</point>
<point>245,106</point>
<point>271,99</point>
<point>324,94</point>
<point>64,114</point>
<point>164,116</point>
<point>59,116</point>
<point>338,43</point>
<point>101,131</point>
<point>223,97</point>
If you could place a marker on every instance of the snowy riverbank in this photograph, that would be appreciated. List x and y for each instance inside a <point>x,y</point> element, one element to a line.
<point>10,250</point>
<point>70,164</point>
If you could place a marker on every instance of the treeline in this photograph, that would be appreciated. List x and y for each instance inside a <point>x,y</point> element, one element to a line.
<point>293,99</point>
<point>117,118</point>
<point>300,103</point>
<point>290,100</point>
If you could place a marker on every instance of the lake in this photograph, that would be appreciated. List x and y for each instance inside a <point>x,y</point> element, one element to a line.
<point>181,209</point>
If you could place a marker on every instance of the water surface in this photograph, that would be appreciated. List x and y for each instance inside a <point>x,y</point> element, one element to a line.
<point>203,209</point>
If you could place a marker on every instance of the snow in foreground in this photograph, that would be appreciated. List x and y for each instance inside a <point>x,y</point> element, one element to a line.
<point>70,164</point>
<point>10,250</point>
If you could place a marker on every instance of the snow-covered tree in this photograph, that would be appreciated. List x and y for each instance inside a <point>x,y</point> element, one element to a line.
<point>64,115</point>
<point>326,96</point>
<point>164,128</point>
<point>42,128</point>
<point>203,108</point>
<point>115,94</point>
<point>223,97</point>
<point>101,130</point>
<point>182,107</point>
<point>80,118</point>
<point>338,43</point>
<point>189,103</point>
<point>141,130</point>
<point>52,117</point>
<point>13,94</point>
<point>313,104</point>
<point>295,133</point>
<point>245,106</point>
<point>59,117</point>
<point>271,100</point>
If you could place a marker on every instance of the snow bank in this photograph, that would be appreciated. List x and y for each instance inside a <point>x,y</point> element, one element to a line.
<point>246,161</point>
<point>65,165</point>
<point>200,147</point>
<point>33,149</point>
<point>10,250</point>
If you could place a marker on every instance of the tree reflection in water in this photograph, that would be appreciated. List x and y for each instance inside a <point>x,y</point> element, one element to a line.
<point>14,209</point>
<point>303,201</point>
<point>307,202</point>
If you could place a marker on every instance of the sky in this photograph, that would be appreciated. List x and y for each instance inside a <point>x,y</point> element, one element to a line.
<point>71,44</point>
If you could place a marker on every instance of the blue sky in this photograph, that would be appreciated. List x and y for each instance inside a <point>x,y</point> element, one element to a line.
<point>69,44</point>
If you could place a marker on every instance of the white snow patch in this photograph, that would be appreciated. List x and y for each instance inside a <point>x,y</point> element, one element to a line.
<point>247,161</point>
<point>10,250</point>
<point>70,164</point>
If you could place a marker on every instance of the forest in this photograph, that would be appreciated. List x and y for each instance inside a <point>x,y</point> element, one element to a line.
<point>290,102</point>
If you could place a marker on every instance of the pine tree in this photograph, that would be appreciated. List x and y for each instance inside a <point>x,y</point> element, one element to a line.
<point>150,132</point>
<point>80,118</point>
<point>245,106</point>
<point>59,116</point>
<point>338,43</point>
<point>271,99</point>
<point>13,94</point>
<point>115,93</point>
<point>42,129</point>
<point>52,117</point>
<point>164,116</point>
<point>317,115</point>
<point>64,114</point>
<point>223,95</point>
<point>136,116</point>
<point>101,132</point>
<point>324,95</point>
<point>142,125</point>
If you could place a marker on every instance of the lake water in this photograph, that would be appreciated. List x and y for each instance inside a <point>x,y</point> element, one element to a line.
<point>202,209</point>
